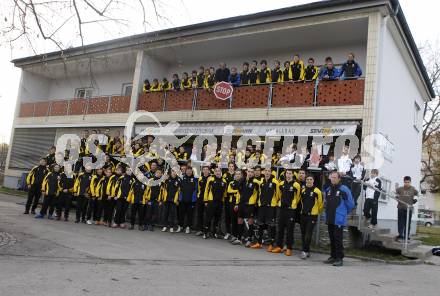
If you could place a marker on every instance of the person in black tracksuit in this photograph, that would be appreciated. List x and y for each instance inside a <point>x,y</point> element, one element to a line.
<point>51,189</point>
<point>253,73</point>
<point>200,204</point>
<point>154,192</point>
<point>215,194</point>
<point>187,200</point>
<point>93,202</point>
<point>372,197</point>
<point>103,188</point>
<point>137,199</point>
<point>34,180</point>
<point>233,192</point>
<point>311,206</point>
<point>170,199</point>
<point>65,199</point>
<point>302,184</point>
<point>82,193</point>
<point>229,177</point>
<point>50,158</point>
<point>244,74</point>
<point>122,189</point>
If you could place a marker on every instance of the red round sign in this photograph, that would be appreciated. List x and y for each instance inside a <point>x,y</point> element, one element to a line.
<point>223,90</point>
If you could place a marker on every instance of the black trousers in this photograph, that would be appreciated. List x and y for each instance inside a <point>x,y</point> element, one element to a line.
<point>234,221</point>
<point>213,216</point>
<point>228,216</point>
<point>200,209</point>
<point>101,205</point>
<point>308,223</point>
<point>64,202</point>
<point>335,234</point>
<point>356,191</point>
<point>169,214</point>
<point>81,207</point>
<point>370,209</point>
<point>151,213</point>
<point>108,210</point>
<point>121,207</point>
<point>92,209</point>
<point>266,221</point>
<point>401,222</point>
<point>186,210</point>
<point>138,209</point>
<point>33,199</point>
<point>286,223</point>
<point>48,203</point>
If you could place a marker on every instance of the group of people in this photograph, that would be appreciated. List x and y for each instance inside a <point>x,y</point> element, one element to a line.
<point>257,73</point>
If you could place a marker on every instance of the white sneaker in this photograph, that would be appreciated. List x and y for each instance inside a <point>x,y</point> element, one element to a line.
<point>371,226</point>
<point>179,229</point>
<point>89,222</point>
<point>303,255</point>
<point>227,236</point>
<point>164,229</point>
<point>171,229</point>
<point>187,231</point>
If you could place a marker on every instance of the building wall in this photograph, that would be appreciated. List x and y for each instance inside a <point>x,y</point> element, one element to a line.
<point>33,87</point>
<point>396,96</point>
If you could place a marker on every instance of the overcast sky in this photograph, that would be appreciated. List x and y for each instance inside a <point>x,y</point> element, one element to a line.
<point>422,16</point>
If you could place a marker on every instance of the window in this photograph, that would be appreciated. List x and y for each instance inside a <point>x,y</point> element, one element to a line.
<point>126,89</point>
<point>386,186</point>
<point>83,93</point>
<point>416,116</point>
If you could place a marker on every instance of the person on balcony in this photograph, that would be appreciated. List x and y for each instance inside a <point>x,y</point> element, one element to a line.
<point>286,71</point>
<point>338,203</point>
<point>200,77</point>
<point>186,82</point>
<point>222,73</point>
<point>209,81</point>
<point>147,85</point>
<point>193,79</point>
<point>311,72</point>
<point>253,73</point>
<point>264,75</point>
<point>166,85</point>
<point>277,73</point>
<point>328,71</point>
<point>155,86</point>
<point>350,69</point>
<point>176,82</point>
<point>244,75</point>
<point>297,69</point>
<point>372,197</point>
<point>406,194</point>
<point>234,77</point>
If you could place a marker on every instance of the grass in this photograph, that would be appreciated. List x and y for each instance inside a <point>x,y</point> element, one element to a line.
<point>12,191</point>
<point>429,235</point>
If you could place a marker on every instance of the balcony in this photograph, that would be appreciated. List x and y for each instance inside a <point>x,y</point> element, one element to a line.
<point>309,94</point>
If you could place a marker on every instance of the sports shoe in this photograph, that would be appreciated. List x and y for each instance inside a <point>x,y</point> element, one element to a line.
<point>330,260</point>
<point>303,255</point>
<point>89,222</point>
<point>269,248</point>
<point>205,236</point>
<point>171,229</point>
<point>50,217</point>
<point>39,216</point>
<point>84,221</point>
<point>33,212</point>
<point>66,219</point>
<point>141,228</point>
<point>277,250</point>
<point>288,252</point>
<point>248,244</point>
<point>115,225</point>
<point>199,233</point>
<point>256,246</point>
<point>187,230</point>
<point>179,229</point>
<point>227,236</point>
<point>26,213</point>
<point>164,229</point>
<point>122,226</point>
<point>58,218</point>
<point>236,242</point>
<point>338,263</point>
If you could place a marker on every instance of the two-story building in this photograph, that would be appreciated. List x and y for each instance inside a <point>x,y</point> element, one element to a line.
<point>97,86</point>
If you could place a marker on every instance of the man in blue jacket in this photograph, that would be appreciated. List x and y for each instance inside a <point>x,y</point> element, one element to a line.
<point>350,69</point>
<point>234,77</point>
<point>338,203</point>
<point>328,71</point>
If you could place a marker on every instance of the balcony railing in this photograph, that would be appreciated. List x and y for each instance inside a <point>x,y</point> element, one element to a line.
<point>276,95</point>
<point>95,105</point>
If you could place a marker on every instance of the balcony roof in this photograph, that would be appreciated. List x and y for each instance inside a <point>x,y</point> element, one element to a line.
<point>266,17</point>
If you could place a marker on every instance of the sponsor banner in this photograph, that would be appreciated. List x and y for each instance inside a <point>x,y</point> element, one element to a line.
<point>237,129</point>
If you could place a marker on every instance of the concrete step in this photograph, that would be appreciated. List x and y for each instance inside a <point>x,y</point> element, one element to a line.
<point>420,252</point>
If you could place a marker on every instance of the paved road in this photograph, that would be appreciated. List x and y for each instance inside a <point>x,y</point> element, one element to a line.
<point>62,258</point>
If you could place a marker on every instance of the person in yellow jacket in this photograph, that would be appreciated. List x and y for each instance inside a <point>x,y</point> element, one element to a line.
<point>286,72</point>
<point>166,85</point>
<point>170,200</point>
<point>103,193</point>
<point>67,183</point>
<point>312,205</point>
<point>185,82</point>
<point>277,73</point>
<point>155,86</point>
<point>51,189</point>
<point>311,72</point>
<point>233,196</point>
<point>122,189</point>
<point>264,73</point>
<point>34,180</point>
<point>209,81</point>
<point>154,195</point>
<point>288,200</point>
<point>109,210</point>
<point>147,86</point>
<point>267,208</point>
<point>296,69</point>
<point>137,198</point>
<point>82,192</point>
<point>93,206</point>
<point>214,196</point>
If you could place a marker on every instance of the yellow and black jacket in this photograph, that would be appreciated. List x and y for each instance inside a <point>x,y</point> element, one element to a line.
<point>166,86</point>
<point>185,83</point>
<point>229,177</point>
<point>122,186</point>
<point>36,176</point>
<point>182,156</point>
<point>233,192</point>
<point>277,75</point>
<point>154,193</point>
<point>171,190</point>
<point>51,184</point>
<point>110,165</point>
<point>94,189</point>
<point>253,76</point>
<point>67,183</point>
<point>311,73</point>
<point>269,193</point>
<point>311,201</point>
<point>156,87</point>
<point>201,187</point>
<point>289,194</point>
<point>297,70</point>
<point>248,192</point>
<point>264,76</point>
<point>209,81</point>
<point>50,159</point>
<point>82,184</point>
<point>146,88</point>
<point>138,193</point>
<point>286,74</point>
<point>104,188</point>
<point>216,189</point>
<point>244,77</point>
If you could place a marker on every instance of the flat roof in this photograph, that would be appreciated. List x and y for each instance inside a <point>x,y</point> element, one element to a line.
<point>239,22</point>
